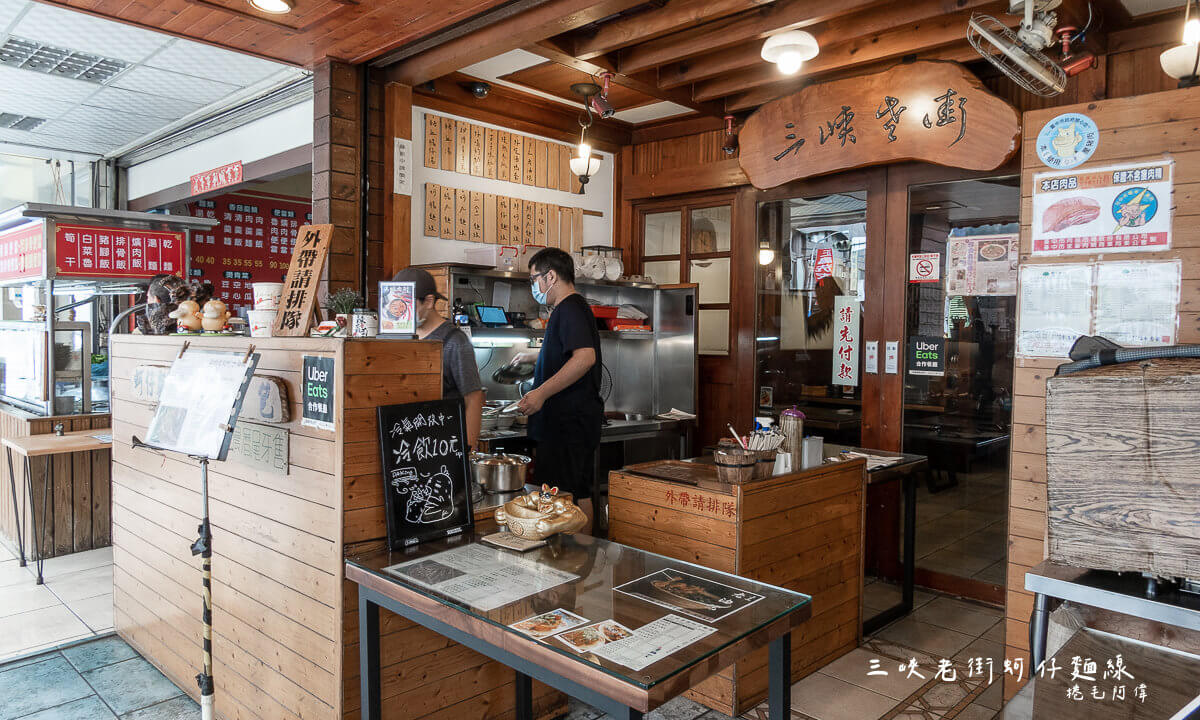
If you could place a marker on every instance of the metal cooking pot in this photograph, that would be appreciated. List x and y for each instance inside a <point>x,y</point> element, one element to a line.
<point>499,472</point>
<point>513,372</point>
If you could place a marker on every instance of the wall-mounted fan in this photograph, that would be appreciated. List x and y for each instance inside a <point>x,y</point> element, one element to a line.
<point>1019,54</point>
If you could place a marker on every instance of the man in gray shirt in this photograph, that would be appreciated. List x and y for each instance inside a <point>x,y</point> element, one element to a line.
<point>460,375</point>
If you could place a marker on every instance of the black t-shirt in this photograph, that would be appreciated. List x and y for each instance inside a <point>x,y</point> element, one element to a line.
<point>576,413</point>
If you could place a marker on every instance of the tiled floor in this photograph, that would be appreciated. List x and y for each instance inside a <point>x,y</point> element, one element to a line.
<point>74,603</point>
<point>961,530</point>
<point>101,679</point>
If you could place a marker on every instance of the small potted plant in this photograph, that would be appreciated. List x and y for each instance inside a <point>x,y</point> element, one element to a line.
<point>341,303</point>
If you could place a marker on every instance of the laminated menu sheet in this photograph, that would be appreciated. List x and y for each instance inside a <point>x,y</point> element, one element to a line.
<point>1137,302</point>
<point>1055,309</point>
<point>482,577</point>
<point>654,641</point>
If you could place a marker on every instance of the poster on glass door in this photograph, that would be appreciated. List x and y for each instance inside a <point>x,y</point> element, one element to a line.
<point>845,340</point>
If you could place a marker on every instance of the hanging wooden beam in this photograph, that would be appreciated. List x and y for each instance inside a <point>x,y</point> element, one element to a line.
<point>656,23</point>
<point>735,29</point>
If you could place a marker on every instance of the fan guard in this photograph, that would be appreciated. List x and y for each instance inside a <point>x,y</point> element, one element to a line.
<point>1030,69</point>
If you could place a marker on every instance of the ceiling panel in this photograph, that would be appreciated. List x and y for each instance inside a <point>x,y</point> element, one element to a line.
<point>26,104</point>
<point>107,119</point>
<point>64,28</point>
<point>173,85</point>
<point>9,10</point>
<point>51,141</point>
<point>555,79</point>
<point>1141,7</point>
<point>115,98</point>
<point>113,136</point>
<point>191,58</point>
<point>653,111</point>
<point>46,86</point>
<point>502,64</point>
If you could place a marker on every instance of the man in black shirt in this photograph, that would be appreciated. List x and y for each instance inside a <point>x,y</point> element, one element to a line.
<point>564,407</point>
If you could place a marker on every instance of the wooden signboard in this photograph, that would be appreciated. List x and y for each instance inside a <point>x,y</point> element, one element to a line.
<point>303,277</point>
<point>477,150</point>
<point>462,147</point>
<point>462,215</point>
<point>516,172</point>
<point>541,152</point>
<point>528,222</point>
<point>433,148</point>
<point>552,226</point>
<point>539,235</point>
<point>569,182</point>
<point>447,138</point>
<point>529,161</point>
<point>476,229</point>
<point>928,111</point>
<point>553,166</point>
<point>503,233</point>
<point>565,224</point>
<point>433,209</point>
<point>576,229</point>
<point>489,218</point>
<point>503,163</point>
<point>446,231</point>
<point>489,152</point>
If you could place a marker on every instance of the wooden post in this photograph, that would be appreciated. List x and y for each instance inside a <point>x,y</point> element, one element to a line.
<point>337,167</point>
<point>397,210</point>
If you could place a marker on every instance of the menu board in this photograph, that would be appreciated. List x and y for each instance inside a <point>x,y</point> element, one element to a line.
<point>253,242</point>
<point>1137,303</point>
<point>21,251</point>
<point>112,252</point>
<point>982,265</point>
<point>425,471</point>
<point>1055,309</point>
<point>199,403</point>
<point>482,577</point>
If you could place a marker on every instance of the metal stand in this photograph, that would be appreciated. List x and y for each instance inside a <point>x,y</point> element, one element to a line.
<point>12,484</point>
<point>39,531</point>
<point>203,548</point>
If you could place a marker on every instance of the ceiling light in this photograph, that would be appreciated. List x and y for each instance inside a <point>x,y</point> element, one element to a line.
<point>273,7</point>
<point>1191,26</point>
<point>1182,62</point>
<point>765,254</point>
<point>789,50</point>
<point>583,164</point>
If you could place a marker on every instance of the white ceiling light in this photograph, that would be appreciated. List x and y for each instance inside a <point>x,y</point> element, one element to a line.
<point>274,7</point>
<point>789,50</point>
<point>1182,62</point>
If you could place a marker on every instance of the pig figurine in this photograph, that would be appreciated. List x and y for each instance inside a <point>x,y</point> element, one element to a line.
<point>215,316</point>
<point>187,316</point>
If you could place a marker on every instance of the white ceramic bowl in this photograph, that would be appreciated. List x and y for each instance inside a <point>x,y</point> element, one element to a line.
<point>261,322</point>
<point>266,295</point>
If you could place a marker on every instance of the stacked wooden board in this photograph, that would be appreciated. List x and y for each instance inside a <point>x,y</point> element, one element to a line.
<point>496,219</point>
<point>464,147</point>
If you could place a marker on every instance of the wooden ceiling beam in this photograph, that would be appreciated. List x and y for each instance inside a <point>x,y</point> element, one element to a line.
<point>734,30</point>
<point>656,23</point>
<point>836,31</point>
<point>897,42</point>
<point>960,51</point>
<point>546,20</point>
<point>646,82</point>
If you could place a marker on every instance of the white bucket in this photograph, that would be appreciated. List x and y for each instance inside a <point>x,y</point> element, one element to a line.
<point>266,295</point>
<point>261,321</point>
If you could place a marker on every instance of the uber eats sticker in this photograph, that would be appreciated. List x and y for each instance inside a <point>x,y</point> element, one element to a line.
<point>318,392</point>
<point>926,355</point>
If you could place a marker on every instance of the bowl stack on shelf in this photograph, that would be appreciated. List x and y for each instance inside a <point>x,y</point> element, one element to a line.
<point>266,306</point>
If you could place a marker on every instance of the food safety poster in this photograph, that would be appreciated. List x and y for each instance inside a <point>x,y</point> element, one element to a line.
<point>1121,208</point>
<point>982,265</point>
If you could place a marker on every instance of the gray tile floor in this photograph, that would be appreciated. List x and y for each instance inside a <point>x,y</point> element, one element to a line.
<point>100,679</point>
<point>962,530</point>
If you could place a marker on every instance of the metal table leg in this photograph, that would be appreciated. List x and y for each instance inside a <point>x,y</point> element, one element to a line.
<point>368,657</point>
<point>12,484</point>
<point>910,542</point>
<point>1039,624</point>
<point>779,673</point>
<point>524,696</point>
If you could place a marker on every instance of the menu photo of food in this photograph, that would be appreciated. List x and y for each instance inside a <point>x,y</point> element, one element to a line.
<point>690,595</point>
<point>548,623</point>
<point>591,637</point>
<point>397,308</point>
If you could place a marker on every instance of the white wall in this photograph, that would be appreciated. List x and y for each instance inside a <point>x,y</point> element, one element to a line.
<point>278,132</point>
<point>599,196</point>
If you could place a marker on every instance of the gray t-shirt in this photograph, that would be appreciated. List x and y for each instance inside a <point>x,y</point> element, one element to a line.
<point>460,374</point>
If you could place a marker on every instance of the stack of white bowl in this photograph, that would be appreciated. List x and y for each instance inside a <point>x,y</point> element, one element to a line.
<point>266,306</point>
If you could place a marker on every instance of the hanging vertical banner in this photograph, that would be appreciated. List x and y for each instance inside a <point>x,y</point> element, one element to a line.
<point>823,266</point>
<point>402,166</point>
<point>845,340</point>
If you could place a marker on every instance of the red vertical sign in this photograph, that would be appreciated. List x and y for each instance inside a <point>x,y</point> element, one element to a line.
<point>823,267</point>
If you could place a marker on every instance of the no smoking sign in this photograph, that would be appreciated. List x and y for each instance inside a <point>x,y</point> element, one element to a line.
<point>924,267</point>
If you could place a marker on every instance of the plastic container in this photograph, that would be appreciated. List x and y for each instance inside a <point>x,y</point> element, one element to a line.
<point>605,312</point>
<point>261,321</point>
<point>266,295</point>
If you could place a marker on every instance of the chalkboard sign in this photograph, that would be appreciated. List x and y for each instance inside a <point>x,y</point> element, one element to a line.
<point>426,471</point>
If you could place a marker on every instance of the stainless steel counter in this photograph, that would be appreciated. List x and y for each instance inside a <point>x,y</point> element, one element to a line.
<point>614,431</point>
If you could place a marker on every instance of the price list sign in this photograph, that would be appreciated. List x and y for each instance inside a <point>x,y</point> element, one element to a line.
<point>252,243</point>
<point>21,252</point>
<point>108,252</point>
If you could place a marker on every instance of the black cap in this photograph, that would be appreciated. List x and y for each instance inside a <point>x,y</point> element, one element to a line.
<point>423,284</point>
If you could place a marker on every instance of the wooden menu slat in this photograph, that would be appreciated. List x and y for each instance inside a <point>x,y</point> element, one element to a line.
<point>565,223</point>
<point>540,232</point>
<point>516,221</point>
<point>577,230</point>
<point>489,152</point>
<point>447,229</point>
<point>433,147</point>
<point>462,215</point>
<point>489,218</point>
<point>433,209</point>
<point>503,232</point>
<point>540,152</point>
<point>529,223</point>
<point>552,231</point>
<point>476,229</point>
<point>516,172</point>
<point>552,167</point>
<point>477,150</point>
<point>462,147</point>
<point>528,162</point>
<point>503,164</point>
<point>569,182</point>
<point>448,133</point>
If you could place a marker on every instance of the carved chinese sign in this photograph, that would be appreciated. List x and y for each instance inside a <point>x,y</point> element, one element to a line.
<point>304,276</point>
<point>935,112</point>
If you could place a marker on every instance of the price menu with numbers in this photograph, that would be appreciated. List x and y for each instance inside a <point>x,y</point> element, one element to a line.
<point>252,243</point>
<point>115,252</point>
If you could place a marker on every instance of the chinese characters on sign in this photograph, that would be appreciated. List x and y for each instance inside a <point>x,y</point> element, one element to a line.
<point>21,252</point>
<point>83,251</point>
<point>1122,208</point>
<point>845,340</point>
<point>926,111</point>
<point>924,267</point>
<point>251,243</point>
<point>710,504</point>
<point>318,385</point>
<point>217,178</point>
<point>303,278</point>
<point>982,265</point>
<point>261,447</point>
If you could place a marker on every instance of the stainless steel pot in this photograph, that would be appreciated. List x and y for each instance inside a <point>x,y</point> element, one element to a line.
<point>499,472</point>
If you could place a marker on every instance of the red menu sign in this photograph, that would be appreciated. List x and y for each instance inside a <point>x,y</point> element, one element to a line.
<point>108,252</point>
<point>21,252</point>
<point>217,178</point>
<point>253,242</point>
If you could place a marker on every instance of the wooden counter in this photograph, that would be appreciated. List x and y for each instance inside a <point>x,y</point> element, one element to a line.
<point>284,620</point>
<point>78,514</point>
<point>802,531</point>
